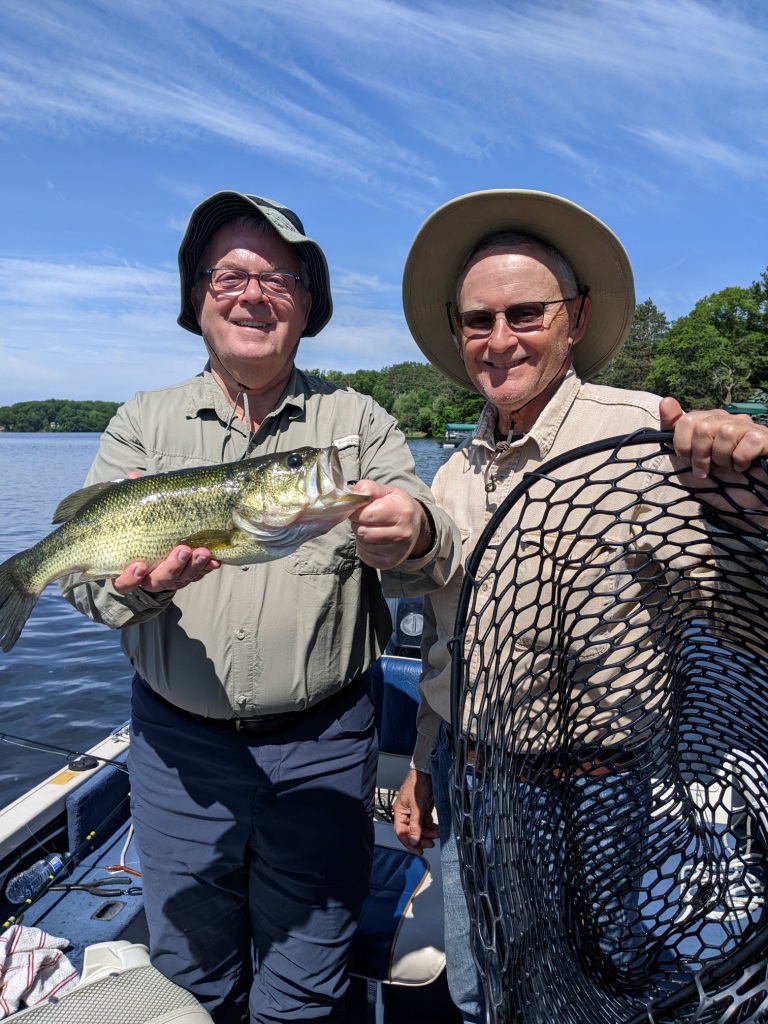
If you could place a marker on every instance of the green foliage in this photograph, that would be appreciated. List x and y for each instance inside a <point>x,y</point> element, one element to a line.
<point>632,364</point>
<point>718,353</point>
<point>416,394</point>
<point>58,415</point>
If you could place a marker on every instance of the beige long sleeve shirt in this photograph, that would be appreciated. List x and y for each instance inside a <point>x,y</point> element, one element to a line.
<point>577,414</point>
<point>276,636</point>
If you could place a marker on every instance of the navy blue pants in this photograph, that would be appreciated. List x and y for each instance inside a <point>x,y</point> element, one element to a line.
<point>255,854</point>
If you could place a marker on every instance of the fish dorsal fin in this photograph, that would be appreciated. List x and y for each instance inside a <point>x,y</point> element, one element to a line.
<point>69,507</point>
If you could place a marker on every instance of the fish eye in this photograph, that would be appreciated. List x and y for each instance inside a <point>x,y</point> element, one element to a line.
<point>294,461</point>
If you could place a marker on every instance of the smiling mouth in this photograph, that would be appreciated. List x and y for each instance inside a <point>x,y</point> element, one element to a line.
<point>507,365</point>
<point>252,324</point>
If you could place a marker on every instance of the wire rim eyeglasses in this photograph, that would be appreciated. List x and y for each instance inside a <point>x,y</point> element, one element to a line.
<point>520,316</point>
<point>230,281</point>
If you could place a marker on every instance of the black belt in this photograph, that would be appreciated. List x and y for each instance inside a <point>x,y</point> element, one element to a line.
<point>262,725</point>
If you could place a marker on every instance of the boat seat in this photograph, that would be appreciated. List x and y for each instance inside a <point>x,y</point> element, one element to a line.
<point>399,940</point>
<point>118,985</point>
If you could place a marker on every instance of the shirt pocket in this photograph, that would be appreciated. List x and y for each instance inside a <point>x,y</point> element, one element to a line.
<point>566,590</point>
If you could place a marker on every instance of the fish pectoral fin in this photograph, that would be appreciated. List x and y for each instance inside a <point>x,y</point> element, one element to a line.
<point>211,539</point>
<point>73,503</point>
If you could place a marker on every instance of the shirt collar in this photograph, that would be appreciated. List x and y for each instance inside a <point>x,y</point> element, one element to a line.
<point>206,395</point>
<point>544,431</point>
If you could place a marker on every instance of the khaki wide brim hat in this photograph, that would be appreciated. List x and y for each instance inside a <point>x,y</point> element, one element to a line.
<point>222,207</point>
<point>448,236</point>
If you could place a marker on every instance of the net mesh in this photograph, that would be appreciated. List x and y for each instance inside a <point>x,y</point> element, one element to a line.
<point>610,709</point>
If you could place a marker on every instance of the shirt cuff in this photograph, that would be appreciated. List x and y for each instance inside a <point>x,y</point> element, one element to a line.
<point>422,753</point>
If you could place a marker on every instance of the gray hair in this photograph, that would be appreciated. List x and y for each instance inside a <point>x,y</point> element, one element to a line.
<point>498,240</point>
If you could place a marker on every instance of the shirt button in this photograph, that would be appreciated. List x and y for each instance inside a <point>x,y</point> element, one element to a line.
<point>241,698</point>
<point>240,634</point>
<point>245,568</point>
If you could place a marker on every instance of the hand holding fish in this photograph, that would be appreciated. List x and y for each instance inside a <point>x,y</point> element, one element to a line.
<point>172,528</point>
<point>393,526</point>
<point>181,567</point>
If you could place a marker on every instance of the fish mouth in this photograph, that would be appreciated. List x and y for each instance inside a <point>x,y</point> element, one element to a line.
<point>326,487</point>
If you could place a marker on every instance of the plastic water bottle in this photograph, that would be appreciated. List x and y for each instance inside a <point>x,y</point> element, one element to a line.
<point>26,884</point>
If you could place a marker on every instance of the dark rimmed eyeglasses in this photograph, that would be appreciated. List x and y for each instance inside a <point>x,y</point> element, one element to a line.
<point>520,317</point>
<point>228,281</point>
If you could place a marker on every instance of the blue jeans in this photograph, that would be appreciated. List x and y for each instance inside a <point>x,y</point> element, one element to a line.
<point>463,976</point>
<point>604,889</point>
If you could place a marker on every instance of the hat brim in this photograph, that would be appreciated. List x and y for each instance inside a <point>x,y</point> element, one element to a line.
<point>446,238</point>
<point>223,207</point>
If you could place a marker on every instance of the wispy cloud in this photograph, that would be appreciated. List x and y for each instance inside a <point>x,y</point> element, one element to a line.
<point>701,153</point>
<point>371,113</point>
<point>488,75</point>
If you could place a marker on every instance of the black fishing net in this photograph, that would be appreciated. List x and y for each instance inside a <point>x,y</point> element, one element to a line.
<point>610,722</point>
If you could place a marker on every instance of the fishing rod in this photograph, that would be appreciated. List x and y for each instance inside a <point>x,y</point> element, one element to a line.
<point>68,860</point>
<point>77,760</point>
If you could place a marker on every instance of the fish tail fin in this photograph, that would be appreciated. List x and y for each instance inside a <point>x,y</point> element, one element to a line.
<point>16,601</point>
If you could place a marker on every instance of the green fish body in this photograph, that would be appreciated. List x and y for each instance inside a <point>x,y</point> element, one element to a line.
<point>255,510</point>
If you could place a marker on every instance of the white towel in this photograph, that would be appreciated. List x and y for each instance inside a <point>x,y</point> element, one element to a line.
<point>32,968</point>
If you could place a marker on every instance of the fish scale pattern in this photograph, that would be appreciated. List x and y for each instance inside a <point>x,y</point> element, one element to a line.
<point>610,708</point>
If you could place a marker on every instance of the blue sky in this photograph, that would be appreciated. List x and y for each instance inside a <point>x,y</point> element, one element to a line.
<point>117,119</point>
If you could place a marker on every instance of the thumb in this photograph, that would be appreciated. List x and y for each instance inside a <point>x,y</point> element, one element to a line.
<point>371,488</point>
<point>670,412</point>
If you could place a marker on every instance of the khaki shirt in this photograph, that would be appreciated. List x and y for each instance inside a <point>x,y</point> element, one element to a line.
<point>577,414</point>
<point>582,601</point>
<point>281,635</point>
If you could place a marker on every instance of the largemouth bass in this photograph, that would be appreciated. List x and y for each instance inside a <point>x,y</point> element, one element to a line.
<point>243,512</point>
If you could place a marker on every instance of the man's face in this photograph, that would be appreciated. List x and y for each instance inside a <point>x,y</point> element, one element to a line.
<point>252,337</point>
<point>510,368</point>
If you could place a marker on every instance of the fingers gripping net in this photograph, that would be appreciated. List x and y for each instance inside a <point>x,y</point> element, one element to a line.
<point>610,705</point>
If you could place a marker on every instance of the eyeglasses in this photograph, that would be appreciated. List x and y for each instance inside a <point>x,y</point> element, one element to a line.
<point>228,281</point>
<point>522,316</point>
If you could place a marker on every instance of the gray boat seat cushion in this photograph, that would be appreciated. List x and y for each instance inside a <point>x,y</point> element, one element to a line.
<point>119,985</point>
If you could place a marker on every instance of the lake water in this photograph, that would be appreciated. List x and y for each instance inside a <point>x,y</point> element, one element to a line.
<point>66,682</point>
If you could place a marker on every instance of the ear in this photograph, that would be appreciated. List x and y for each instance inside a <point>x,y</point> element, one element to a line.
<point>307,307</point>
<point>459,349</point>
<point>195,303</point>
<point>577,332</point>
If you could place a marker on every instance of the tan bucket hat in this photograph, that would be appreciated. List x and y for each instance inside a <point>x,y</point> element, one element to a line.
<point>222,207</point>
<point>446,238</point>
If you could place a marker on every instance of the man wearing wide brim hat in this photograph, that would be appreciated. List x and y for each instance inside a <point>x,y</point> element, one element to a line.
<point>522,296</point>
<point>253,750</point>
<point>447,237</point>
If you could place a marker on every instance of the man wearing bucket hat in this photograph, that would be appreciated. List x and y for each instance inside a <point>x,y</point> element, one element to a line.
<point>522,296</point>
<point>253,750</point>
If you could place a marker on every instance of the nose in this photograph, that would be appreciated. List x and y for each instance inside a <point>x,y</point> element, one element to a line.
<point>501,334</point>
<point>255,284</point>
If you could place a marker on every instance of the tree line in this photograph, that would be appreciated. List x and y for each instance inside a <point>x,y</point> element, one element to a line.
<point>716,354</point>
<point>59,415</point>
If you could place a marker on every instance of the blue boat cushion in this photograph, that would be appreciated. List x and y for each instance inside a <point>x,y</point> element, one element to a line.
<point>395,879</point>
<point>90,807</point>
<point>396,694</point>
